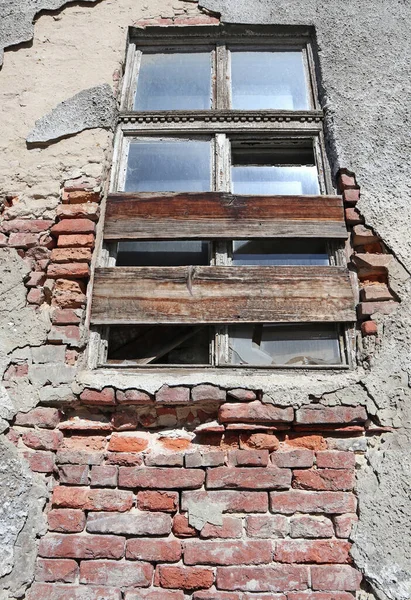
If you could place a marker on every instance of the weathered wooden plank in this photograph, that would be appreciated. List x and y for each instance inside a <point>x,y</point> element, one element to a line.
<point>221,215</point>
<point>126,295</point>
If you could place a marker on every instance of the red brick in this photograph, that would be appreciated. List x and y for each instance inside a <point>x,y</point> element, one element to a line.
<point>249,458</point>
<point>312,502</point>
<point>43,440</point>
<point>47,418</point>
<point>104,397</point>
<point>132,523</point>
<point>337,415</point>
<point>375,292</point>
<point>266,526</point>
<point>346,179</point>
<point>105,476</point>
<point>324,479</point>
<point>186,578</point>
<point>75,195</point>
<point>110,572</point>
<point>66,520</point>
<point>173,395</point>
<point>53,591</point>
<point>65,334</point>
<point>133,397</point>
<point>155,594</point>
<point>254,412</point>
<point>257,478</point>
<point>85,442</point>
<point>15,371</point>
<point>276,578</point>
<point>341,577</point>
<point>181,527</point>
<point>164,460</point>
<point>58,545</point>
<point>351,197</point>
<point>90,210</point>
<point>3,240</point>
<point>259,441</point>
<point>69,294</point>
<point>242,395</point>
<point>311,442</point>
<point>158,501</point>
<point>227,553</point>
<point>217,595</point>
<point>106,500</point>
<point>76,241</point>
<point>167,479</point>
<point>235,501</point>
<point>36,296</point>
<point>206,458</point>
<point>353,216</point>
<point>23,240</point>
<point>335,459</point>
<point>369,328</point>
<point>207,393</point>
<point>40,462</point>
<point>73,226</point>
<point>300,457</point>
<point>70,255</point>
<point>174,444</point>
<point>231,528</point>
<point>75,270</point>
<point>343,525</point>
<point>318,551</point>
<point>311,527</point>
<point>124,459</point>
<point>26,225</point>
<point>64,570</point>
<point>319,596</point>
<point>74,474</point>
<point>368,309</point>
<point>36,278</point>
<point>153,550</point>
<point>128,442</point>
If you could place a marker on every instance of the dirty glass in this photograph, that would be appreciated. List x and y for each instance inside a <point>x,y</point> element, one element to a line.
<point>282,251</point>
<point>163,254</point>
<point>177,81</point>
<point>158,344</point>
<point>267,180</point>
<point>169,166</point>
<point>268,80</point>
<point>295,345</point>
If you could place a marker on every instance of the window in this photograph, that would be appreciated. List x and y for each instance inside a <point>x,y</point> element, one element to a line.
<point>223,239</point>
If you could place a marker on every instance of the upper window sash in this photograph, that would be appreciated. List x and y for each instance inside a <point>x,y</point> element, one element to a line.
<point>292,92</point>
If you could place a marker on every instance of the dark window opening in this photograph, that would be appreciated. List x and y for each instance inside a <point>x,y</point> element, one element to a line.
<point>284,251</point>
<point>173,253</point>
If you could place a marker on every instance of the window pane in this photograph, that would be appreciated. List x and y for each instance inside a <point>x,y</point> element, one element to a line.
<point>163,254</point>
<point>174,82</point>
<point>169,166</point>
<point>159,344</point>
<point>268,80</point>
<point>267,180</point>
<point>284,345</point>
<point>280,252</point>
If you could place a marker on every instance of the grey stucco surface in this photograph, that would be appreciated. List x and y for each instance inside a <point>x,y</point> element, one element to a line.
<point>365,72</point>
<point>16,19</point>
<point>91,108</point>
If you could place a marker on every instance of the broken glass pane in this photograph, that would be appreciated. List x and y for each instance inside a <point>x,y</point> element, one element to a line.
<point>295,345</point>
<point>168,166</point>
<point>174,253</point>
<point>177,81</point>
<point>268,80</point>
<point>284,251</point>
<point>270,180</point>
<point>159,344</point>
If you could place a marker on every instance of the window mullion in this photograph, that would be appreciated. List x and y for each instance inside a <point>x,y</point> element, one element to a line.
<point>221,77</point>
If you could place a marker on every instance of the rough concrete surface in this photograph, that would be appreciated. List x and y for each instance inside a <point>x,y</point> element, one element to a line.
<point>22,498</point>
<point>16,19</point>
<point>89,109</point>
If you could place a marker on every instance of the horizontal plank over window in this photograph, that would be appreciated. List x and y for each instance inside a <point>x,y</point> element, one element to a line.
<point>222,215</point>
<point>161,295</point>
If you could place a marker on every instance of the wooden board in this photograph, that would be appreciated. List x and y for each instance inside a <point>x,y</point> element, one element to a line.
<point>213,215</point>
<point>126,295</point>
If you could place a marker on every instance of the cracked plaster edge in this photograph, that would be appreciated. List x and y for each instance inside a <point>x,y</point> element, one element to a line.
<point>26,21</point>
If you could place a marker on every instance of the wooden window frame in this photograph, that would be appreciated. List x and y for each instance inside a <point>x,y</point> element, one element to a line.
<point>220,124</point>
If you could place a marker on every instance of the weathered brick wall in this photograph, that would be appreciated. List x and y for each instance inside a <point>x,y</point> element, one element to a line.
<point>249,501</point>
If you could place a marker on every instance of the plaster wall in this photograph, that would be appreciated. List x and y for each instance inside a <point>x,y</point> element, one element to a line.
<point>363,52</point>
